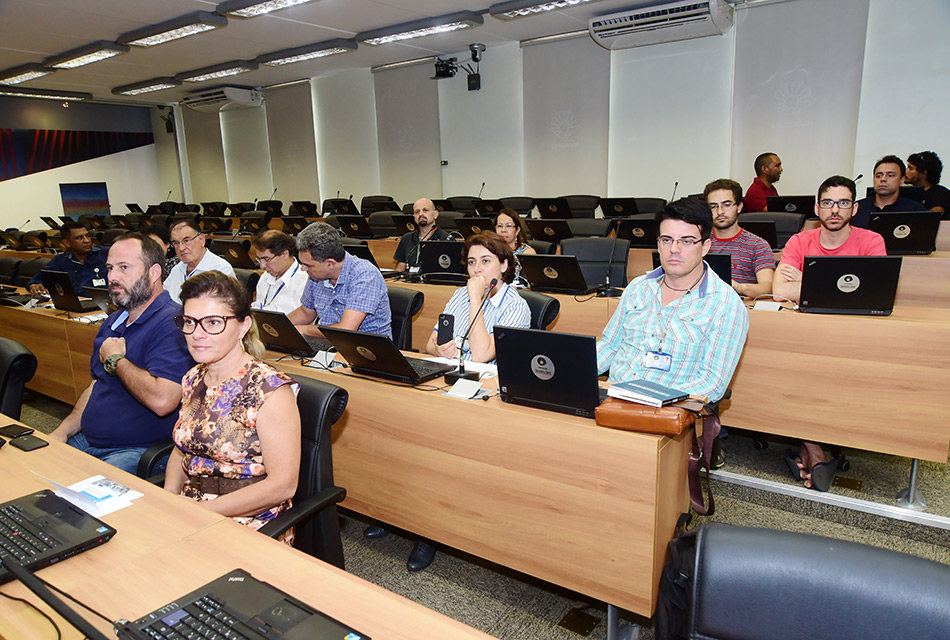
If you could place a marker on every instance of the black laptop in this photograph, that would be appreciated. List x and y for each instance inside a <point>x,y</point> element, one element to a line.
<point>405,223</point>
<point>235,252</point>
<point>548,370</point>
<point>252,225</point>
<point>278,333</point>
<point>472,226</point>
<point>294,224</point>
<point>49,529</point>
<point>386,205</point>
<point>376,355</point>
<point>907,233</point>
<point>553,208</point>
<point>442,205</point>
<point>855,285</point>
<point>62,294</point>
<point>364,252</point>
<point>50,222</point>
<point>237,605</point>
<point>791,204</point>
<point>102,298</point>
<point>214,209</point>
<point>488,207</point>
<point>440,262</point>
<point>618,207</point>
<point>765,229</point>
<point>719,261</point>
<point>549,230</point>
<point>354,226</point>
<point>557,274</point>
<point>216,225</point>
<point>133,207</point>
<point>305,208</point>
<point>640,232</point>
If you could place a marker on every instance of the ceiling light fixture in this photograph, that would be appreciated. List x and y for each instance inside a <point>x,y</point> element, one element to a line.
<point>155,84</point>
<point>180,27</point>
<point>422,28</point>
<point>254,8</point>
<point>23,73</point>
<point>213,72</point>
<point>513,9</point>
<point>307,52</point>
<point>94,52</point>
<point>45,95</point>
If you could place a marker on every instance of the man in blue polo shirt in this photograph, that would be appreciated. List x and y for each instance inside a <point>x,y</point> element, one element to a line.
<point>85,264</point>
<point>888,175</point>
<point>137,363</point>
<point>343,291</point>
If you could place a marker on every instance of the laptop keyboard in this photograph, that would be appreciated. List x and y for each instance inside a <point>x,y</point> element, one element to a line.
<point>205,618</point>
<point>424,367</point>
<point>17,541</point>
<point>319,344</point>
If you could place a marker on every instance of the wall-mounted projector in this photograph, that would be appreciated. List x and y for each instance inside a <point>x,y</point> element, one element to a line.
<point>446,67</point>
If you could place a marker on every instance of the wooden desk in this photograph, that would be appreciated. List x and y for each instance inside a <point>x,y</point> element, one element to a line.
<point>925,281</point>
<point>167,546</point>
<point>943,236</point>
<point>547,494</point>
<point>383,250</point>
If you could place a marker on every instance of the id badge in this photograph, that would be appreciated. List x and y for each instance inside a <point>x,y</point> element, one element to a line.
<point>414,269</point>
<point>658,360</point>
<point>98,282</point>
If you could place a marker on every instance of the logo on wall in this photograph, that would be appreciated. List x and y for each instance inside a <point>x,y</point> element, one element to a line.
<point>564,124</point>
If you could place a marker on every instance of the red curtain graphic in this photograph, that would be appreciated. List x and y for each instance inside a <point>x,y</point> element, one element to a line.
<point>24,151</point>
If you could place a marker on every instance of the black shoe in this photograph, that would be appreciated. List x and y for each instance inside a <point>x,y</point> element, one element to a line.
<point>374,531</point>
<point>421,556</point>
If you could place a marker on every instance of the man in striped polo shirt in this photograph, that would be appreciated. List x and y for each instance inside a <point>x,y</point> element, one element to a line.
<point>753,263</point>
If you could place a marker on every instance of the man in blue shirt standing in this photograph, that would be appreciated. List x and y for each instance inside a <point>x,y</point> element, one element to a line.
<point>137,363</point>
<point>85,264</point>
<point>343,291</point>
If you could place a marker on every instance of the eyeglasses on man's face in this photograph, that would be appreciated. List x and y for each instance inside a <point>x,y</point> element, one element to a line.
<point>183,241</point>
<point>686,241</point>
<point>842,204</point>
<point>212,325</point>
<point>716,206</point>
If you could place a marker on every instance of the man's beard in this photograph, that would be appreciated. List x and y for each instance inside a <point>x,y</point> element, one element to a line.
<point>140,292</point>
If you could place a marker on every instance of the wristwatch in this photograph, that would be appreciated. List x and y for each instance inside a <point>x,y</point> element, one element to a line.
<point>110,363</point>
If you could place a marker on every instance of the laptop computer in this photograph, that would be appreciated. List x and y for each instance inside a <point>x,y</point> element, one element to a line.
<point>440,262</point>
<point>235,252</point>
<point>13,242</point>
<point>364,252</point>
<point>278,333</point>
<point>9,297</point>
<point>909,191</point>
<point>856,285</point>
<point>343,207</point>
<point>294,224</point>
<point>557,274</point>
<point>62,294</point>
<point>907,233</point>
<point>548,230</point>
<point>553,208</point>
<point>405,223</point>
<point>640,233</point>
<point>102,298</point>
<point>765,229</point>
<point>237,605</point>
<point>216,225</point>
<point>791,204</point>
<point>50,529</point>
<point>719,261</point>
<point>386,205</point>
<point>618,207</point>
<point>354,226</point>
<point>213,209</point>
<point>305,208</point>
<point>488,207</point>
<point>548,370</point>
<point>442,205</point>
<point>50,222</point>
<point>472,226</point>
<point>376,355</point>
<point>133,207</point>
<point>253,225</point>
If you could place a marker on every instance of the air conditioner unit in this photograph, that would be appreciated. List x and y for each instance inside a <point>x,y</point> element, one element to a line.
<point>661,23</point>
<point>224,99</point>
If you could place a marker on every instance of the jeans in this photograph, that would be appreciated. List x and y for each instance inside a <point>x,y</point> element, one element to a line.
<point>125,458</point>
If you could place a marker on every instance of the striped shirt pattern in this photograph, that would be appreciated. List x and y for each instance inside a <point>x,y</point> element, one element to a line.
<point>505,308</point>
<point>750,254</point>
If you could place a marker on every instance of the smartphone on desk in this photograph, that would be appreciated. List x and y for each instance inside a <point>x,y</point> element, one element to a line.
<point>446,328</point>
<point>28,443</point>
<point>15,431</point>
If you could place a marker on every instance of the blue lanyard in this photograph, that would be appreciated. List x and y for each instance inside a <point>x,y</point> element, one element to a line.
<point>277,293</point>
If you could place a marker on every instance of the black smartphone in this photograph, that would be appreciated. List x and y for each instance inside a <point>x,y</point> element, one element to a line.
<point>28,443</point>
<point>15,431</point>
<point>446,328</point>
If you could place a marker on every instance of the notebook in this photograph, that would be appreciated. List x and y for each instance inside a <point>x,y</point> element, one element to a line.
<point>100,296</point>
<point>237,605</point>
<point>235,252</point>
<point>133,207</point>
<point>488,207</point>
<point>557,274</point>
<point>294,224</point>
<point>305,208</point>
<point>213,209</point>
<point>376,355</point>
<point>471,226</point>
<point>253,225</point>
<point>640,233</point>
<point>907,233</point>
<point>62,294</point>
<point>857,285</point>
<point>791,204</point>
<point>549,230</point>
<point>618,207</point>
<point>278,333</point>
<point>442,205</point>
<point>548,370</point>
<point>553,208</point>
<point>440,262</point>
<point>364,252</point>
<point>386,205</point>
<point>405,223</point>
<point>354,226</point>
<point>719,261</point>
<point>50,529</point>
<point>216,225</point>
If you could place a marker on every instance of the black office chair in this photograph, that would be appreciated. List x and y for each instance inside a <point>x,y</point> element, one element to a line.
<point>463,204</point>
<point>522,204</point>
<point>590,227</point>
<point>354,241</point>
<point>189,208</point>
<point>787,224</point>
<point>111,235</point>
<point>404,304</point>
<point>447,220</point>
<point>9,267</point>
<point>594,256</point>
<point>367,205</point>
<point>582,206</point>
<point>17,366</point>
<point>275,208</point>
<point>215,209</point>
<point>314,512</point>
<point>248,278</point>
<point>161,219</point>
<point>649,205</point>
<point>169,208</point>
<point>543,246</point>
<point>544,308</point>
<point>28,269</point>
<point>381,224</point>
<point>332,220</point>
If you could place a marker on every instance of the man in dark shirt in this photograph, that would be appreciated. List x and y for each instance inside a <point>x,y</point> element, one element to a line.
<point>768,171</point>
<point>410,245</point>
<point>923,170</point>
<point>85,264</point>
<point>888,175</point>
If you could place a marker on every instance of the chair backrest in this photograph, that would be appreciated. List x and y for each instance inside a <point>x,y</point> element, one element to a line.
<point>590,227</point>
<point>17,366</point>
<point>649,205</point>
<point>111,235</point>
<point>381,224</point>
<point>787,223</point>
<point>543,246</point>
<point>248,278</point>
<point>355,241</point>
<point>29,268</point>
<point>447,219</point>
<point>366,204</point>
<point>544,308</point>
<point>169,207</point>
<point>582,206</point>
<point>522,204</point>
<point>332,220</point>
<point>404,304</point>
<point>463,204</point>
<point>321,404</point>
<point>594,256</point>
<point>9,267</point>
<point>761,583</point>
<point>189,208</point>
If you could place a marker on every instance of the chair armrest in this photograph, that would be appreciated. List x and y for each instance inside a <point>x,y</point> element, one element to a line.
<point>151,457</point>
<point>303,510</point>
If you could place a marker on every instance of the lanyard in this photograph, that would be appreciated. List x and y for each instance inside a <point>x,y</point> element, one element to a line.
<point>421,240</point>
<point>277,293</point>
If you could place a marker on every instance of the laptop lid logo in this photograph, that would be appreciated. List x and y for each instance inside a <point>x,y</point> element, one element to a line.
<point>791,208</point>
<point>637,232</point>
<point>366,353</point>
<point>901,231</point>
<point>445,261</point>
<point>542,367</point>
<point>550,272</point>
<point>59,289</point>
<point>548,231</point>
<point>410,226</point>
<point>269,329</point>
<point>848,283</point>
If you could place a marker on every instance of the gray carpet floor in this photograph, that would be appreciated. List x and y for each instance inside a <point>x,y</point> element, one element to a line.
<point>508,604</point>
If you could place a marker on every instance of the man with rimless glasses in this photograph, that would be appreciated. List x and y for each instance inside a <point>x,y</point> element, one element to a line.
<point>835,237</point>
<point>189,243</point>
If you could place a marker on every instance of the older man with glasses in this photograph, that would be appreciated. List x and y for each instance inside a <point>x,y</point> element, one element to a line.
<point>283,281</point>
<point>189,244</point>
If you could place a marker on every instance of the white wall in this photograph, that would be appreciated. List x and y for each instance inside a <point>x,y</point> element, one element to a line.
<point>130,176</point>
<point>246,154</point>
<point>207,176</point>
<point>292,143</point>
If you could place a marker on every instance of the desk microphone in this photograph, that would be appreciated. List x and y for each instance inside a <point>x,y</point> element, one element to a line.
<point>24,224</point>
<point>454,376</point>
<point>337,194</point>
<point>479,196</point>
<point>168,197</point>
<point>675,185</point>
<point>608,291</point>
<point>273,194</point>
<point>858,178</point>
<point>254,205</point>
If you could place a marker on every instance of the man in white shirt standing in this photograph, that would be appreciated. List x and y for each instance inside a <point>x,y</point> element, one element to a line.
<point>189,243</point>
<point>282,283</point>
